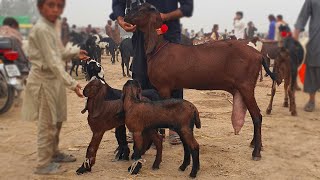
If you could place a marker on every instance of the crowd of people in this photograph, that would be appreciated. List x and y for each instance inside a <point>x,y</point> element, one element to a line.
<point>241,30</point>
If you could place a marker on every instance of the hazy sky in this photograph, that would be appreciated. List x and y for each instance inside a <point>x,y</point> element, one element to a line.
<point>205,14</point>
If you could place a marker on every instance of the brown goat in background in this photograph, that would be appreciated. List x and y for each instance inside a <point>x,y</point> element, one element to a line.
<point>103,116</point>
<point>179,115</point>
<point>229,65</point>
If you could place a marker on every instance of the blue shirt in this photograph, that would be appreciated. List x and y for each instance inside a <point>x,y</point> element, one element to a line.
<point>164,6</point>
<point>272,30</point>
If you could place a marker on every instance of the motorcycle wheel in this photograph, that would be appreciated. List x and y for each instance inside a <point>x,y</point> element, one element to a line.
<point>7,95</point>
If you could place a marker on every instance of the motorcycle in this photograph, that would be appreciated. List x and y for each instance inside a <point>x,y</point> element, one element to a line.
<point>14,68</point>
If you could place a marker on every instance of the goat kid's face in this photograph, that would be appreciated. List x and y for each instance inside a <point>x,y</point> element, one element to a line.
<point>92,88</point>
<point>147,19</point>
<point>132,89</point>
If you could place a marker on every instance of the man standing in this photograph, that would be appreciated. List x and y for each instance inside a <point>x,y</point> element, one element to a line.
<point>109,28</point>
<point>311,10</point>
<point>215,34</point>
<point>239,25</point>
<point>170,14</point>
<point>272,27</point>
<point>250,31</point>
<point>280,22</point>
<point>65,31</point>
<point>116,34</point>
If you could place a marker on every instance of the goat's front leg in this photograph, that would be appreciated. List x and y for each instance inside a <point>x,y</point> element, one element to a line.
<point>286,91</point>
<point>157,140</point>
<point>91,153</point>
<point>293,108</point>
<point>273,92</point>
<point>127,66</point>
<point>122,65</point>
<point>123,149</point>
<point>138,148</point>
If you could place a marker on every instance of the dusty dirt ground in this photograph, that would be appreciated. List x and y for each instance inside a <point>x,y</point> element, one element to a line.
<point>290,143</point>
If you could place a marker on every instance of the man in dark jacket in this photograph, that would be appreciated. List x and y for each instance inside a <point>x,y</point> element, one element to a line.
<point>170,14</point>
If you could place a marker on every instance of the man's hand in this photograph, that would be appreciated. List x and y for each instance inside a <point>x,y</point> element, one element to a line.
<point>77,90</point>
<point>126,26</point>
<point>83,55</point>
<point>164,17</point>
<point>296,33</point>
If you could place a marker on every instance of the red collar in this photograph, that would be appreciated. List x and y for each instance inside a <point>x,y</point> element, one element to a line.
<point>155,52</point>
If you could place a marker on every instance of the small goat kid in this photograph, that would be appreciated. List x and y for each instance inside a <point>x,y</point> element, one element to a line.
<point>179,115</point>
<point>230,65</point>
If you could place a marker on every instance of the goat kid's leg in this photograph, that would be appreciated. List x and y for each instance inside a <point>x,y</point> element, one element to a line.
<point>72,67</point>
<point>293,108</point>
<point>122,65</point>
<point>194,148</point>
<point>91,153</point>
<point>239,110</point>
<point>138,145</point>
<point>273,92</point>
<point>286,92</point>
<point>157,140</point>
<point>77,67</point>
<point>250,101</point>
<point>127,66</point>
<point>186,158</point>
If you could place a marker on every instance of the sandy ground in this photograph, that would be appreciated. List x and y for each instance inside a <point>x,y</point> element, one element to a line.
<point>290,143</point>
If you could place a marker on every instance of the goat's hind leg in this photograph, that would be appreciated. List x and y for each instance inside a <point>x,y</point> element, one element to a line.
<point>273,92</point>
<point>191,142</point>
<point>250,101</point>
<point>154,137</point>
<point>91,153</point>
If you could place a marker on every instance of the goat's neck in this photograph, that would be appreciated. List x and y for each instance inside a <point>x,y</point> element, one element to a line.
<point>96,103</point>
<point>160,42</point>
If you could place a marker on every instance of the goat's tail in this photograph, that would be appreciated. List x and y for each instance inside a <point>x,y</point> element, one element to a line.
<point>196,117</point>
<point>266,68</point>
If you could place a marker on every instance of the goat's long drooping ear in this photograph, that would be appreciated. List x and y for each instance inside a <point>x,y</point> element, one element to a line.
<point>151,35</point>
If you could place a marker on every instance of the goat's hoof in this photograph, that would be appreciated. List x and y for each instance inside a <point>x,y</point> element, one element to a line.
<point>268,111</point>
<point>129,75</point>
<point>256,158</point>
<point>183,167</point>
<point>155,167</point>
<point>294,113</point>
<point>124,75</point>
<point>285,104</point>
<point>136,168</point>
<point>193,174</point>
<point>83,169</point>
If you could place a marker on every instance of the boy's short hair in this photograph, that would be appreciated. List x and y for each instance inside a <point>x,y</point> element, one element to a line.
<point>41,2</point>
<point>10,21</point>
<point>240,13</point>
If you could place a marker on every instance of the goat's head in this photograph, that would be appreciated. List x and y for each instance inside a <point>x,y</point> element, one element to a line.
<point>93,68</point>
<point>147,19</point>
<point>93,88</point>
<point>281,64</point>
<point>133,89</point>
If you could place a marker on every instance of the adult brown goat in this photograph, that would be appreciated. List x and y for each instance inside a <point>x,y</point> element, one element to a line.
<point>229,65</point>
<point>179,115</point>
<point>103,116</point>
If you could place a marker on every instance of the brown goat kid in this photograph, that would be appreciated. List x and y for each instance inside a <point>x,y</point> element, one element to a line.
<point>103,116</point>
<point>229,65</point>
<point>179,115</point>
